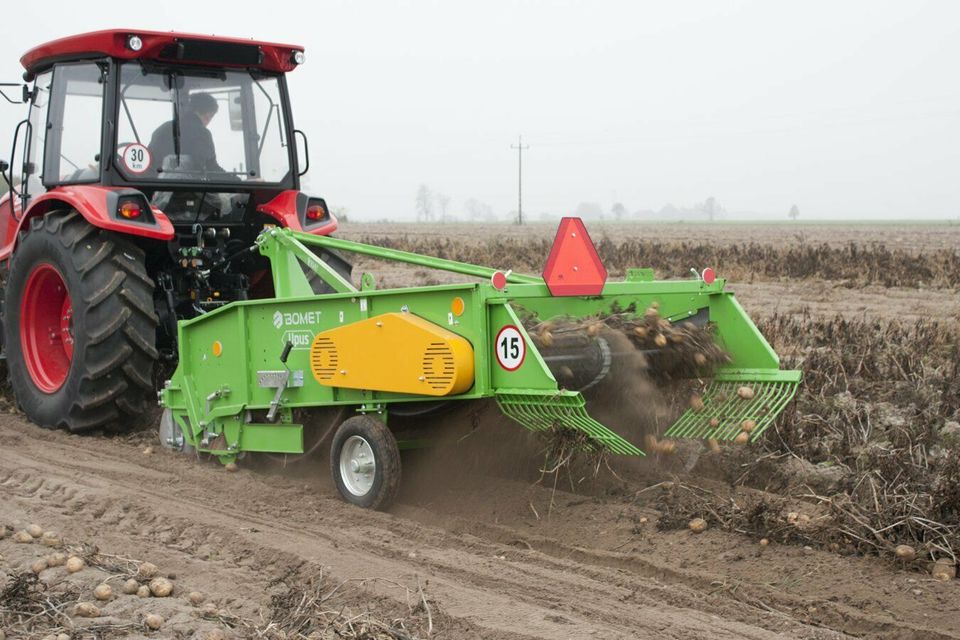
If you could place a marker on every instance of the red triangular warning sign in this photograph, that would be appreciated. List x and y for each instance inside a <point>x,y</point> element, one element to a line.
<point>574,267</point>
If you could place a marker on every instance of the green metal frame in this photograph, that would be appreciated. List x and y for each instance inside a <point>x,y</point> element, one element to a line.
<point>215,391</point>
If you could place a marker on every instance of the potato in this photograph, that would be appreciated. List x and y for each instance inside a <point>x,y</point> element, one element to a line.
<point>34,530</point>
<point>696,402</point>
<point>39,565</point>
<point>153,621</point>
<point>22,537</point>
<point>764,542</point>
<point>56,560</point>
<point>565,372</point>
<point>546,338</point>
<point>792,516</point>
<point>594,329</point>
<point>3,531</point>
<point>697,525</point>
<point>651,442</point>
<point>742,438</point>
<point>700,360</point>
<point>668,447</point>
<point>75,564</point>
<point>195,598</point>
<point>103,592</point>
<point>660,340</point>
<point>143,591</point>
<point>640,332</point>
<point>130,587</point>
<point>147,451</point>
<point>714,445</point>
<point>86,610</point>
<point>714,423</point>
<point>745,392</point>
<point>905,552</point>
<point>147,570</point>
<point>944,569</point>
<point>651,312</point>
<point>748,425</point>
<point>161,587</point>
<point>51,539</point>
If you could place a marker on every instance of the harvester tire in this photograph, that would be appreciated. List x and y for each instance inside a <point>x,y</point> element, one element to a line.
<point>79,326</point>
<point>365,462</point>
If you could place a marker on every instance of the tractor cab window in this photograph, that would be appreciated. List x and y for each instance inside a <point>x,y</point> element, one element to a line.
<point>178,125</point>
<point>72,149</point>
<point>31,185</point>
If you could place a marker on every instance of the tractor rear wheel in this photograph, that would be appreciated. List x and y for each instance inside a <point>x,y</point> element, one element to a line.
<point>79,326</point>
<point>365,462</point>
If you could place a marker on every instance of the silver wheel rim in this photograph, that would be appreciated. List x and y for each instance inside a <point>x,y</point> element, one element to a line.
<point>358,467</point>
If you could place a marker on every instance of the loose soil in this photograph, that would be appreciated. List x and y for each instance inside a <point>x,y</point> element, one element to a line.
<point>493,558</point>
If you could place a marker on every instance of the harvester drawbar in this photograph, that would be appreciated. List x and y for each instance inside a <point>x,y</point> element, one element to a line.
<point>247,366</point>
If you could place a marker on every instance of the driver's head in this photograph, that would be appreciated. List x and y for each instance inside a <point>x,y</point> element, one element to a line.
<point>205,106</point>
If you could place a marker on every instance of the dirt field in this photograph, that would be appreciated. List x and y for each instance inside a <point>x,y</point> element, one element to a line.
<point>924,237</point>
<point>480,546</point>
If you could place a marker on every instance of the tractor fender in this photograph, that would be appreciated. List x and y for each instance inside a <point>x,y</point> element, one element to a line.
<point>289,208</point>
<point>97,204</point>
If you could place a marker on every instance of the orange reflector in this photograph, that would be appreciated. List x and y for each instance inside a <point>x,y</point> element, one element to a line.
<point>573,266</point>
<point>458,306</point>
<point>315,212</point>
<point>217,348</point>
<point>130,210</point>
<point>708,276</point>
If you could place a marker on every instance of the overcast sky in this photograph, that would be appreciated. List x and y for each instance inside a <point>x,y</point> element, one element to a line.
<point>848,109</point>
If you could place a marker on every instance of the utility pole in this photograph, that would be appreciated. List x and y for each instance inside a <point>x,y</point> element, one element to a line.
<point>520,147</point>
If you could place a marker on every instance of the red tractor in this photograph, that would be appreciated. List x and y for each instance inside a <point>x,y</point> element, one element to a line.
<point>143,172</point>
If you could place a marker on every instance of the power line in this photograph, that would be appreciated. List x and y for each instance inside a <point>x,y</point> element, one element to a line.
<point>520,147</point>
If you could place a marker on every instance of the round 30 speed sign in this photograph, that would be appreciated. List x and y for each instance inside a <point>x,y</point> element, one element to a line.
<point>510,348</point>
<point>136,158</point>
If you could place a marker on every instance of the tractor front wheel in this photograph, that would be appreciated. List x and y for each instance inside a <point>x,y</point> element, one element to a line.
<point>79,325</point>
<point>365,462</point>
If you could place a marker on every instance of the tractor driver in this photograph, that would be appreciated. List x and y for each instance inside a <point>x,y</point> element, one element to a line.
<point>196,141</point>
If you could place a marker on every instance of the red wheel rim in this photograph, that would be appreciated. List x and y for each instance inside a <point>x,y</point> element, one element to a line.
<point>46,328</point>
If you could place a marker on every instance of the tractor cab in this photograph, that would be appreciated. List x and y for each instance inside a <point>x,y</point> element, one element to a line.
<point>200,126</point>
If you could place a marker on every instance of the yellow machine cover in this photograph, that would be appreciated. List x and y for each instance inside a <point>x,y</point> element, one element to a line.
<point>397,352</point>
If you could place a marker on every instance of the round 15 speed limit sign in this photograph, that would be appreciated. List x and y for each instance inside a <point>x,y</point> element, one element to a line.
<point>510,348</point>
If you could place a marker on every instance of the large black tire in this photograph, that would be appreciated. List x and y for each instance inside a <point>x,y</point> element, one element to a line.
<point>384,481</point>
<point>109,378</point>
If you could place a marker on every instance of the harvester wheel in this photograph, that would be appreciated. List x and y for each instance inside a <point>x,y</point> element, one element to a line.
<point>365,462</point>
<point>79,326</point>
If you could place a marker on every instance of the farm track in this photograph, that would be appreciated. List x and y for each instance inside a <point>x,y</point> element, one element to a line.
<point>232,534</point>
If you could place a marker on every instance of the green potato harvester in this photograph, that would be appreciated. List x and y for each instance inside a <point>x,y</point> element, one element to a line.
<point>248,369</point>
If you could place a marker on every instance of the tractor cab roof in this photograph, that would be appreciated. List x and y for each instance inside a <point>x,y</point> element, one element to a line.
<point>165,46</point>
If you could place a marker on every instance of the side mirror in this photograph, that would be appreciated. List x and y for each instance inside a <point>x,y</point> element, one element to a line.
<point>4,165</point>
<point>27,93</point>
<point>235,108</point>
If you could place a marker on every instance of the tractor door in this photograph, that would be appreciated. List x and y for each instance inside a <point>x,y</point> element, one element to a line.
<point>74,125</point>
